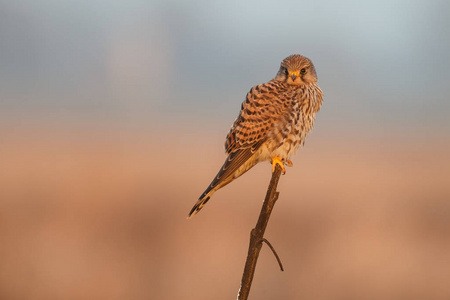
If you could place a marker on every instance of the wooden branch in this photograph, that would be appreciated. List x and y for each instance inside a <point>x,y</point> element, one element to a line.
<point>274,253</point>
<point>257,236</point>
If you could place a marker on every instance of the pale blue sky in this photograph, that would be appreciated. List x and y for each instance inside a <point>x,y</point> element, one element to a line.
<point>381,64</point>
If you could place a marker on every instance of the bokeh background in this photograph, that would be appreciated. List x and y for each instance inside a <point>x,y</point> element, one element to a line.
<point>113,116</point>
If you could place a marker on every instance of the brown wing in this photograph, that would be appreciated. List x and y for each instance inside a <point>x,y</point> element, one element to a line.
<point>231,164</point>
<point>265,105</point>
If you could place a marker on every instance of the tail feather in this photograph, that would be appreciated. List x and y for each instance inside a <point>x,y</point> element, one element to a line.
<point>200,203</point>
<point>204,198</point>
<point>235,165</point>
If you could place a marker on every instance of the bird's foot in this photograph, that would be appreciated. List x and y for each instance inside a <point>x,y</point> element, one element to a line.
<point>278,161</point>
<point>289,163</point>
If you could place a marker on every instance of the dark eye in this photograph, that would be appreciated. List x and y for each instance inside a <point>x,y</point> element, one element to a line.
<point>303,71</point>
<point>286,72</point>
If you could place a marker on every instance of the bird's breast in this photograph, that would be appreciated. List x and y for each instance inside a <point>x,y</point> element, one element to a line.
<point>299,121</point>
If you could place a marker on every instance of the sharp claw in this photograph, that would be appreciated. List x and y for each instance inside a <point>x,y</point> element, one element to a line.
<point>278,161</point>
<point>289,163</point>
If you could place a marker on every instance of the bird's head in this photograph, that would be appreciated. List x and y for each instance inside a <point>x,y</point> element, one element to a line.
<point>297,70</point>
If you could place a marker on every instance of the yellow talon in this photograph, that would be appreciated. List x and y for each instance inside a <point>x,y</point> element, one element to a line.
<point>289,163</point>
<point>278,161</point>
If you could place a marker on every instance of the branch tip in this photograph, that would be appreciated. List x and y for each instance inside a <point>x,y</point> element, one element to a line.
<point>274,253</point>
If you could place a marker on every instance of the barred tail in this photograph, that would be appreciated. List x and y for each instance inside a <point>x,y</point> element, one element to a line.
<point>200,203</point>
<point>204,198</point>
<point>235,165</point>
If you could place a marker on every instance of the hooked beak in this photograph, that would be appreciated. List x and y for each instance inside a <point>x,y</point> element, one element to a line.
<point>294,75</point>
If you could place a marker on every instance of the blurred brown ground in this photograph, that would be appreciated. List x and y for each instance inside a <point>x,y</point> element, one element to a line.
<point>101,214</point>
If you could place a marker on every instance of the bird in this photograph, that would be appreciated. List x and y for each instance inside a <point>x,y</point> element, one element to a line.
<point>273,122</point>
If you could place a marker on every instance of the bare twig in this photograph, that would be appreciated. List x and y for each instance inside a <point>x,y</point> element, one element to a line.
<point>257,236</point>
<point>274,253</point>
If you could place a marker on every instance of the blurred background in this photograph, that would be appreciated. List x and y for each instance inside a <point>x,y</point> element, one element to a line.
<point>113,116</point>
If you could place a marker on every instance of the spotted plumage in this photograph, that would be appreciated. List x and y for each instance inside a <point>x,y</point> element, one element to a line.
<point>274,120</point>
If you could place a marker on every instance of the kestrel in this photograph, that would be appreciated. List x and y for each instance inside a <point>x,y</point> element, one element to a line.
<point>273,123</point>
